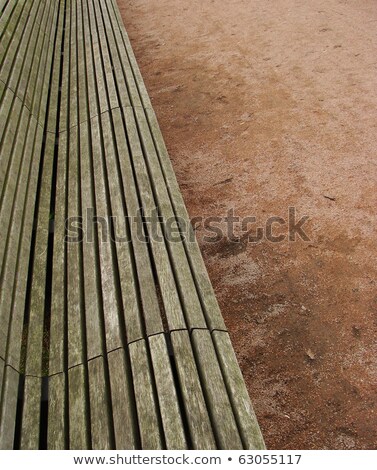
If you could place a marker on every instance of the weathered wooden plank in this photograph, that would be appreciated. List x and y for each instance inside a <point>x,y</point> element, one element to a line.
<point>76,352</point>
<point>58,316</point>
<point>66,60</point>
<point>53,108</point>
<point>8,408</point>
<point>8,141</point>
<point>31,413</point>
<point>123,402</point>
<point>203,284</point>
<point>5,108</point>
<point>247,422</point>
<point>2,90</point>
<point>73,74</point>
<point>101,423</point>
<point>57,432</point>
<point>199,424</point>
<point>81,66</point>
<point>92,96</point>
<point>218,404</point>
<point>2,366</point>
<point>167,395</point>
<point>91,268</point>
<point>166,281</point>
<point>79,427</point>
<point>146,401</point>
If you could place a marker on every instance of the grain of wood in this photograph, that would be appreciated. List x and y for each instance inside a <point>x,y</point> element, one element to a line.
<point>247,422</point>
<point>8,408</point>
<point>57,405</point>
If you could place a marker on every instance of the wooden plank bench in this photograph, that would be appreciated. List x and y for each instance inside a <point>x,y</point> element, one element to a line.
<point>105,343</point>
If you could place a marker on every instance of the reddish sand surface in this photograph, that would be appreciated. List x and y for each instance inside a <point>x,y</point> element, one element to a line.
<point>266,106</point>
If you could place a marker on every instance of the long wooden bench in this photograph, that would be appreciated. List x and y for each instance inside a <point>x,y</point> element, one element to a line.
<point>103,343</point>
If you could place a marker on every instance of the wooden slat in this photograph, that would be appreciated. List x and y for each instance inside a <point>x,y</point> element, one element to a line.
<point>167,395</point>
<point>122,397</point>
<point>79,427</point>
<point>92,278</point>
<point>66,61</point>
<point>31,413</point>
<point>58,320</point>
<point>6,105</point>
<point>243,410</point>
<point>2,89</point>
<point>75,306</point>
<point>58,313</point>
<point>73,78</point>
<point>199,424</point>
<point>220,410</point>
<point>100,410</point>
<point>8,408</point>
<point>53,109</point>
<point>8,141</point>
<point>2,366</point>
<point>57,409</point>
<point>146,402</point>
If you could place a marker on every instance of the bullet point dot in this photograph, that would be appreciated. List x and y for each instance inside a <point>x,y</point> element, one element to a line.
<point>229,458</point>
